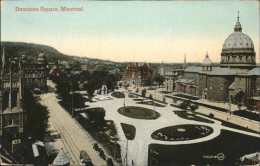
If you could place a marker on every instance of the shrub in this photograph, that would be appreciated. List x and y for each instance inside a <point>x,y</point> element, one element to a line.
<point>137,90</point>
<point>211,115</point>
<point>143,92</point>
<point>150,96</point>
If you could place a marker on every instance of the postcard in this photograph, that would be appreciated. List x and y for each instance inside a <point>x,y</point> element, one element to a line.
<point>129,83</point>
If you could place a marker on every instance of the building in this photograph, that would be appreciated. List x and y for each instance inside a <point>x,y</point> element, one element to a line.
<point>138,74</point>
<point>237,71</point>
<point>12,113</point>
<point>171,77</point>
<point>17,74</point>
<point>35,73</point>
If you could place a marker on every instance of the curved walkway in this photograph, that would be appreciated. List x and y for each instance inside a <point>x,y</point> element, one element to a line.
<point>137,149</point>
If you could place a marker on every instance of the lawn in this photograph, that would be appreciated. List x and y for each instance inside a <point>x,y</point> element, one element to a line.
<point>187,97</point>
<point>129,131</point>
<point>138,112</point>
<point>248,115</point>
<point>151,103</point>
<point>232,145</point>
<point>191,116</point>
<point>182,132</point>
<point>138,99</point>
<point>118,95</point>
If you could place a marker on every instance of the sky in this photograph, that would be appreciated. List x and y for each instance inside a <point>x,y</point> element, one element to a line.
<point>138,31</point>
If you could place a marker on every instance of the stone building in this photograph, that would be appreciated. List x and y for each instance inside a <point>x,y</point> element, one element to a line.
<point>171,77</point>
<point>15,75</point>
<point>138,74</point>
<point>12,113</point>
<point>237,71</point>
<point>35,73</point>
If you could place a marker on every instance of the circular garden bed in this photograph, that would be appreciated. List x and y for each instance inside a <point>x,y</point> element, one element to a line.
<point>118,95</point>
<point>138,112</point>
<point>182,132</point>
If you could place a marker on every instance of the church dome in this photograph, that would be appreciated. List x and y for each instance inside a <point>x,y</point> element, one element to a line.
<point>207,61</point>
<point>238,40</point>
<point>238,50</point>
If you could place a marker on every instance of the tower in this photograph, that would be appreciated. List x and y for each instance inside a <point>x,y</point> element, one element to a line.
<point>11,112</point>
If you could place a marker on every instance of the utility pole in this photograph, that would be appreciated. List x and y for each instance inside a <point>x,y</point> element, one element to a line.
<point>126,152</point>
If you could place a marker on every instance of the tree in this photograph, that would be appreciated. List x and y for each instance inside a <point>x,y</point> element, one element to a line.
<point>37,116</point>
<point>250,104</point>
<point>143,92</point>
<point>238,99</point>
<point>97,115</point>
<point>158,79</point>
<point>193,107</point>
<point>211,115</point>
<point>90,88</point>
<point>78,100</point>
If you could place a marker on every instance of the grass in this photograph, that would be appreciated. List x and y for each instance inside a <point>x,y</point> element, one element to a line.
<point>248,115</point>
<point>192,116</point>
<point>232,145</point>
<point>187,96</point>
<point>188,132</point>
<point>118,95</point>
<point>138,99</point>
<point>129,131</point>
<point>151,103</point>
<point>138,112</point>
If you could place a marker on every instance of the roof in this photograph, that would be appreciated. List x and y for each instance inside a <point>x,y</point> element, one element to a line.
<point>254,71</point>
<point>232,86</point>
<point>222,71</point>
<point>188,79</point>
<point>194,69</point>
<point>238,39</point>
<point>207,61</point>
<point>61,159</point>
<point>198,69</point>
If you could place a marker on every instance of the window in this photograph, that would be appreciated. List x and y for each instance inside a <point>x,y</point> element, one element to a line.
<point>10,121</point>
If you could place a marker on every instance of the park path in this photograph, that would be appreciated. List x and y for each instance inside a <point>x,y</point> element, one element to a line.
<point>137,149</point>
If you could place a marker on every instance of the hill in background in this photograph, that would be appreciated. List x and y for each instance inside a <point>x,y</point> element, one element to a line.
<point>17,49</point>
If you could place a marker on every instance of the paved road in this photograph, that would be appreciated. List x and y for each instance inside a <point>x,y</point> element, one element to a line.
<point>74,138</point>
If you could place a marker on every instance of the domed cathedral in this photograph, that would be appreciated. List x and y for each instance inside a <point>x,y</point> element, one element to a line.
<point>238,50</point>
<point>237,71</point>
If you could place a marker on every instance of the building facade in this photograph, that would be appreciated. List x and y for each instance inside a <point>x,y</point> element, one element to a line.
<point>17,74</point>
<point>171,77</point>
<point>138,74</point>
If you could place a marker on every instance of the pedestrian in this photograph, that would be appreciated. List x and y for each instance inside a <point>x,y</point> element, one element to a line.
<point>132,162</point>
